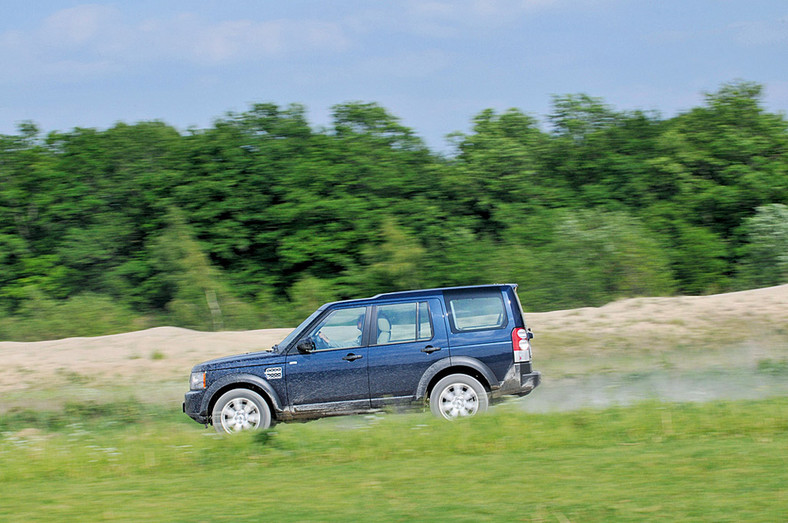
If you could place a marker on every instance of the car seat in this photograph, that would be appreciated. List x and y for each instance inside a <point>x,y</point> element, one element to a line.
<point>384,330</point>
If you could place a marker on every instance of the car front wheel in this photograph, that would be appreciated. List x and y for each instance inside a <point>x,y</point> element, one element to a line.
<point>458,396</point>
<point>240,409</point>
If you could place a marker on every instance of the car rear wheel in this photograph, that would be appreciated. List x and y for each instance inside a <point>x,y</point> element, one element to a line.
<point>458,396</point>
<point>240,409</point>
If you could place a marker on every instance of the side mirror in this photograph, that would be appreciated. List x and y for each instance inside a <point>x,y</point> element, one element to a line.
<point>530,334</point>
<point>306,346</point>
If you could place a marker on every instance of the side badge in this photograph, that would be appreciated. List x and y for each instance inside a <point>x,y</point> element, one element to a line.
<point>273,373</point>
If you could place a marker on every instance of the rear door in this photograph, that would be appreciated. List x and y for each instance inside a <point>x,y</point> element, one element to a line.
<point>405,339</point>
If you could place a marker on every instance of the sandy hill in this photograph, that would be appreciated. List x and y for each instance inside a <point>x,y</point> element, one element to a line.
<point>628,335</point>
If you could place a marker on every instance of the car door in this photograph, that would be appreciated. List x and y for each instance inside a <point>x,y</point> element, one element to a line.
<point>334,375</point>
<point>405,339</point>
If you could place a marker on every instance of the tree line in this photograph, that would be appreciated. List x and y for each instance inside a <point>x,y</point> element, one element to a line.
<point>260,218</point>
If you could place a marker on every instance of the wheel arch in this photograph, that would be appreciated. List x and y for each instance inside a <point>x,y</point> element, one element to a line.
<point>463,365</point>
<point>244,381</point>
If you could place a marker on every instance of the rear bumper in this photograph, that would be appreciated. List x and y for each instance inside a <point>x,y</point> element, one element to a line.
<point>529,382</point>
<point>520,381</point>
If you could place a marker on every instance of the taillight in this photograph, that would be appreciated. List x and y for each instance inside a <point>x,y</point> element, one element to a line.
<point>520,345</point>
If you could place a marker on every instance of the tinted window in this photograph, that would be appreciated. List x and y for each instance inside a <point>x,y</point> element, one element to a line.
<point>471,312</point>
<point>402,323</point>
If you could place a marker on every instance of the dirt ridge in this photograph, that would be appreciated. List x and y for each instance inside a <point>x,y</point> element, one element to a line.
<point>164,355</point>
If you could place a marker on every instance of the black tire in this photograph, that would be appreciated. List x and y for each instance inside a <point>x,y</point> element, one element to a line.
<point>458,396</point>
<point>240,409</point>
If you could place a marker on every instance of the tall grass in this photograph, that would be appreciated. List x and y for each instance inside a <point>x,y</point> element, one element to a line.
<point>670,462</point>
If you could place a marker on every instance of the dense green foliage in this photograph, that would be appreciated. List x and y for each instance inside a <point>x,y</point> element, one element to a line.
<point>258,219</point>
<point>654,462</point>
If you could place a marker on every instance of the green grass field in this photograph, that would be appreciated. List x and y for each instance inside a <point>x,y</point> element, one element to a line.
<point>725,461</point>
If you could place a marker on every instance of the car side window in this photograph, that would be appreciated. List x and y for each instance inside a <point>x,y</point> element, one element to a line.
<point>342,328</point>
<point>476,312</point>
<point>403,323</point>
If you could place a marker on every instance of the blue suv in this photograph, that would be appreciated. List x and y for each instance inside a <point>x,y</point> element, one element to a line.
<point>455,348</point>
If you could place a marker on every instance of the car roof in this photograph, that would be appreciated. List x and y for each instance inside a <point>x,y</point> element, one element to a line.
<point>419,293</point>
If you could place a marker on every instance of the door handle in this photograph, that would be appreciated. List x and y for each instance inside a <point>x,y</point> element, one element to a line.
<point>429,349</point>
<point>352,357</point>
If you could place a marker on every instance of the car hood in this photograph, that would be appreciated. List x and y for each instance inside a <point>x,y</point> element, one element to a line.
<point>241,360</point>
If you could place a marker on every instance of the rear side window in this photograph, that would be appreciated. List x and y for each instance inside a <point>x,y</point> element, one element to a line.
<point>476,311</point>
<point>403,322</point>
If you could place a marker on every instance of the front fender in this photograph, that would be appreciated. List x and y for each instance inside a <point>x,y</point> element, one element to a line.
<point>459,363</point>
<point>238,381</point>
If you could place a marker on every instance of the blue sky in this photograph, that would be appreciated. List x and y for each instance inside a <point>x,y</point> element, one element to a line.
<point>435,64</point>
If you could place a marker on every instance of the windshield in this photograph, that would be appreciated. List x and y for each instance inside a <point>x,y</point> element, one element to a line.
<point>282,345</point>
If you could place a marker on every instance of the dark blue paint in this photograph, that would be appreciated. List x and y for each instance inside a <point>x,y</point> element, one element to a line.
<point>327,377</point>
<point>395,369</point>
<point>336,381</point>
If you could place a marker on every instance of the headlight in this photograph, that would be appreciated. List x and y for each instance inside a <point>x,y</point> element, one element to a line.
<point>197,381</point>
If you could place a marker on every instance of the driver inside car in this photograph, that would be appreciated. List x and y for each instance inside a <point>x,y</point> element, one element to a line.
<point>325,342</point>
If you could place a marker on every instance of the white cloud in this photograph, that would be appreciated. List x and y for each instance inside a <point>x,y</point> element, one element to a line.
<point>479,10</point>
<point>89,39</point>
<point>78,25</point>
<point>451,19</point>
<point>188,37</point>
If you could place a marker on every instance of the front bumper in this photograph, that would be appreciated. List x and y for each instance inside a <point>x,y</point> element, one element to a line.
<point>192,406</point>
